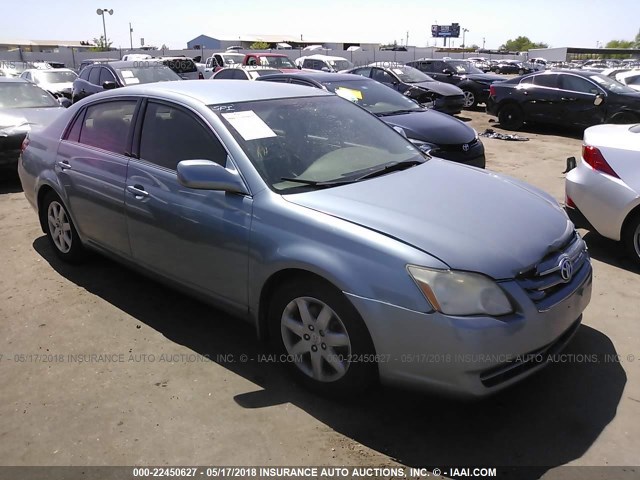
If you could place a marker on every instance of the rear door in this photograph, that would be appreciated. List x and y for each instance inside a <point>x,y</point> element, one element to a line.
<point>198,238</point>
<point>92,165</point>
<point>578,101</point>
<point>543,99</point>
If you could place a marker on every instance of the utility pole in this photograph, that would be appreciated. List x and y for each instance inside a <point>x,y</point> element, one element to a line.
<point>131,35</point>
<point>464,30</point>
<point>483,41</point>
<point>407,42</point>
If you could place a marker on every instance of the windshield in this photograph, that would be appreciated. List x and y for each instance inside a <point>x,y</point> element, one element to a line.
<point>611,84</point>
<point>411,75</point>
<point>24,95</point>
<point>461,66</point>
<point>277,62</point>
<point>146,74</point>
<point>313,139</point>
<point>181,65</point>
<point>55,77</point>
<point>374,96</point>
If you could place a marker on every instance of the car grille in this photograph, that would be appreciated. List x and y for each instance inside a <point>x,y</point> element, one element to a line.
<point>454,148</point>
<point>544,283</point>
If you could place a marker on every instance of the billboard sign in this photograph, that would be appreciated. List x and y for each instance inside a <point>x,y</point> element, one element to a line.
<point>440,31</point>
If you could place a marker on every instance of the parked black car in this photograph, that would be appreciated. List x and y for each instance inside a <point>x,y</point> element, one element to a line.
<point>98,77</point>
<point>512,66</point>
<point>433,132</point>
<point>473,81</point>
<point>416,85</point>
<point>566,97</point>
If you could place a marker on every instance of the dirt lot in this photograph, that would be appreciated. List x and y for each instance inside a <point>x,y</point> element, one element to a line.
<point>153,398</point>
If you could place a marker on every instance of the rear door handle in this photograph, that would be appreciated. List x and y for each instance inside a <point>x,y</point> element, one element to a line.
<point>64,164</point>
<point>138,191</point>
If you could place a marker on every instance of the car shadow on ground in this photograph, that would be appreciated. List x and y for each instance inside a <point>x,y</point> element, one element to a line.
<point>609,251</point>
<point>548,420</point>
<point>9,181</point>
<point>543,129</point>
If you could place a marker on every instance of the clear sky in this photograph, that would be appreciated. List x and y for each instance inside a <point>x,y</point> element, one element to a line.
<point>580,23</point>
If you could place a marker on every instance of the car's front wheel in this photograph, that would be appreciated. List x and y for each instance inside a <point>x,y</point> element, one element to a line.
<point>470,99</point>
<point>60,230</point>
<point>511,116</point>
<point>631,238</point>
<point>326,344</point>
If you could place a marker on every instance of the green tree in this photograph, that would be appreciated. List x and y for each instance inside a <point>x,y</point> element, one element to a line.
<point>521,44</point>
<point>619,44</point>
<point>101,45</point>
<point>259,46</point>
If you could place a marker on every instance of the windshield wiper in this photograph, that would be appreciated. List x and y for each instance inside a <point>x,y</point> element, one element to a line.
<point>399,112</point>
<point>319,184</point>
<point>392,167</point>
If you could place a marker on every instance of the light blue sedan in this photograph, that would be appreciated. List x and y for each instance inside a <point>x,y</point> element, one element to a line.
<point>356,255</point>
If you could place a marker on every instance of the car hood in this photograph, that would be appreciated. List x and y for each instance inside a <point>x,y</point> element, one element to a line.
<point>471,219</point>
<point>433,127</point>
<point>28,117</point>
<point>484,77</point>
<point>440,88</point>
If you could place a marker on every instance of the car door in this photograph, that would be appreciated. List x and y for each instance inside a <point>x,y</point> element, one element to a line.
<point>435,69</point>
<point>542,99</point>
<point>579,101</point>
<point>91,164</point>
<point>364,71</point>
<point>81,84</point>
<point>384,77</point>
<point>198,238</point>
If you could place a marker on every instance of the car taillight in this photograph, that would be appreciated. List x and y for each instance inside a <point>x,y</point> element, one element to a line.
<point>594,157</point>
<point>492,90</point>
<point>24,145</point>
<point>200,76</point>
<point>569,202</point>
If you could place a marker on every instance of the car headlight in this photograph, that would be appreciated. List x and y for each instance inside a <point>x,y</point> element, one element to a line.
<point>422,146</point>
<point>460,293</point>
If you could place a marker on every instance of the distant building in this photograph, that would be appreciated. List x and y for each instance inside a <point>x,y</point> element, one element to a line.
<point>565,54</point>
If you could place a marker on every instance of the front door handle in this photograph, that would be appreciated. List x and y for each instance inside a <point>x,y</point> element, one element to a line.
<point>568,99</point>
<point>138,191</point>
<point>64,164</point>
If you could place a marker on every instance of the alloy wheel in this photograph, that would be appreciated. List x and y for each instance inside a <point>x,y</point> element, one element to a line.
<point>59,227</point>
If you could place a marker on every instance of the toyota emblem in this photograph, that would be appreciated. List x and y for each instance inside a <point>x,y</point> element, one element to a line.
<point>465,147</point>
<point>566,268</point>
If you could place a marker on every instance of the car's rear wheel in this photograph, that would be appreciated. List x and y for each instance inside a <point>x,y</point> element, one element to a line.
<point>624,118</point>
<point>631,237</point>
<point>327,345</point>
<point>470,100</point>
<point>60,230</point>
<point>521,72</point>
<point>498,71</point>
<point>511,116</point>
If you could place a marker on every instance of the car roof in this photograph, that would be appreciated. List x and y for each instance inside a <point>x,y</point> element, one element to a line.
<point>38,70</point>
<point>215,92</point>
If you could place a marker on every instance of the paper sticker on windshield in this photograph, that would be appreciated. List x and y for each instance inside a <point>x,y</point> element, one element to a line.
<point>249,125</point>
<point>398,71</point>
<point>349,94</point>
<point>131,81</point>
<point>127,74</point>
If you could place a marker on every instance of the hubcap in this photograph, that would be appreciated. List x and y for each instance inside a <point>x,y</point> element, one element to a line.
<point>316,339</point>
<point>469,98</point>
<point>59,227</point>
<point>636,240</point>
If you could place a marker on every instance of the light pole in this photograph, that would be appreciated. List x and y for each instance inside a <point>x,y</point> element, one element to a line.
<point>101,12</point>
<point>130,35</point>
<point>464,30</point>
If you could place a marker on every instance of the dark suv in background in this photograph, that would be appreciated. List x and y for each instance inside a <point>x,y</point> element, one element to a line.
<point>473,81</point>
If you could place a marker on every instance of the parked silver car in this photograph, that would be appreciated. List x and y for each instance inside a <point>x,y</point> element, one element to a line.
<point>354,253</point>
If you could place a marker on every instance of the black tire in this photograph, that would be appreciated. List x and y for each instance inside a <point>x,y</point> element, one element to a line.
<point>56,221</point>
<point>470,98</point>
<point>631,237</point>
<point>316,294</point>
<point>511,116</point>
<point>498,71</point>
<point>521,72</point>
<point>624,118</point>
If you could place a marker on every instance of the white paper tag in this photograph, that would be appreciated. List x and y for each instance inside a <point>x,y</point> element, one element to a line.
<point>249,125</point>
<point>127,74</point>
<point>131,81</point>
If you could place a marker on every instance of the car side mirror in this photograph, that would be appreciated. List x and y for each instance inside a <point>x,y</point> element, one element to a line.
<point>208,175</point>
<point>325,69</point>
<point>64,102</point>
<point>598,100</point>
<point>109,85</point>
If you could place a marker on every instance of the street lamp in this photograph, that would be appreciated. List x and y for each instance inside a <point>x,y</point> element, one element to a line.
<point>101,12</point>
<point>464,30</point>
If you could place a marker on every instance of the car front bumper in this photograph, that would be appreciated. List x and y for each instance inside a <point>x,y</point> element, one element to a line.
<point>10,149</point>
<point>472,356</point>
<point>450,104</point>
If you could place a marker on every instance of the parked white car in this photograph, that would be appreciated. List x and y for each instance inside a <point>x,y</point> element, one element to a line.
<point>57,81</point>
<point>630,78</point>
<point>326,63</point>
<point>603,190</point>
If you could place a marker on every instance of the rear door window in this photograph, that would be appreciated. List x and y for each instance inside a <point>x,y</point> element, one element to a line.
<point>107,125</point>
